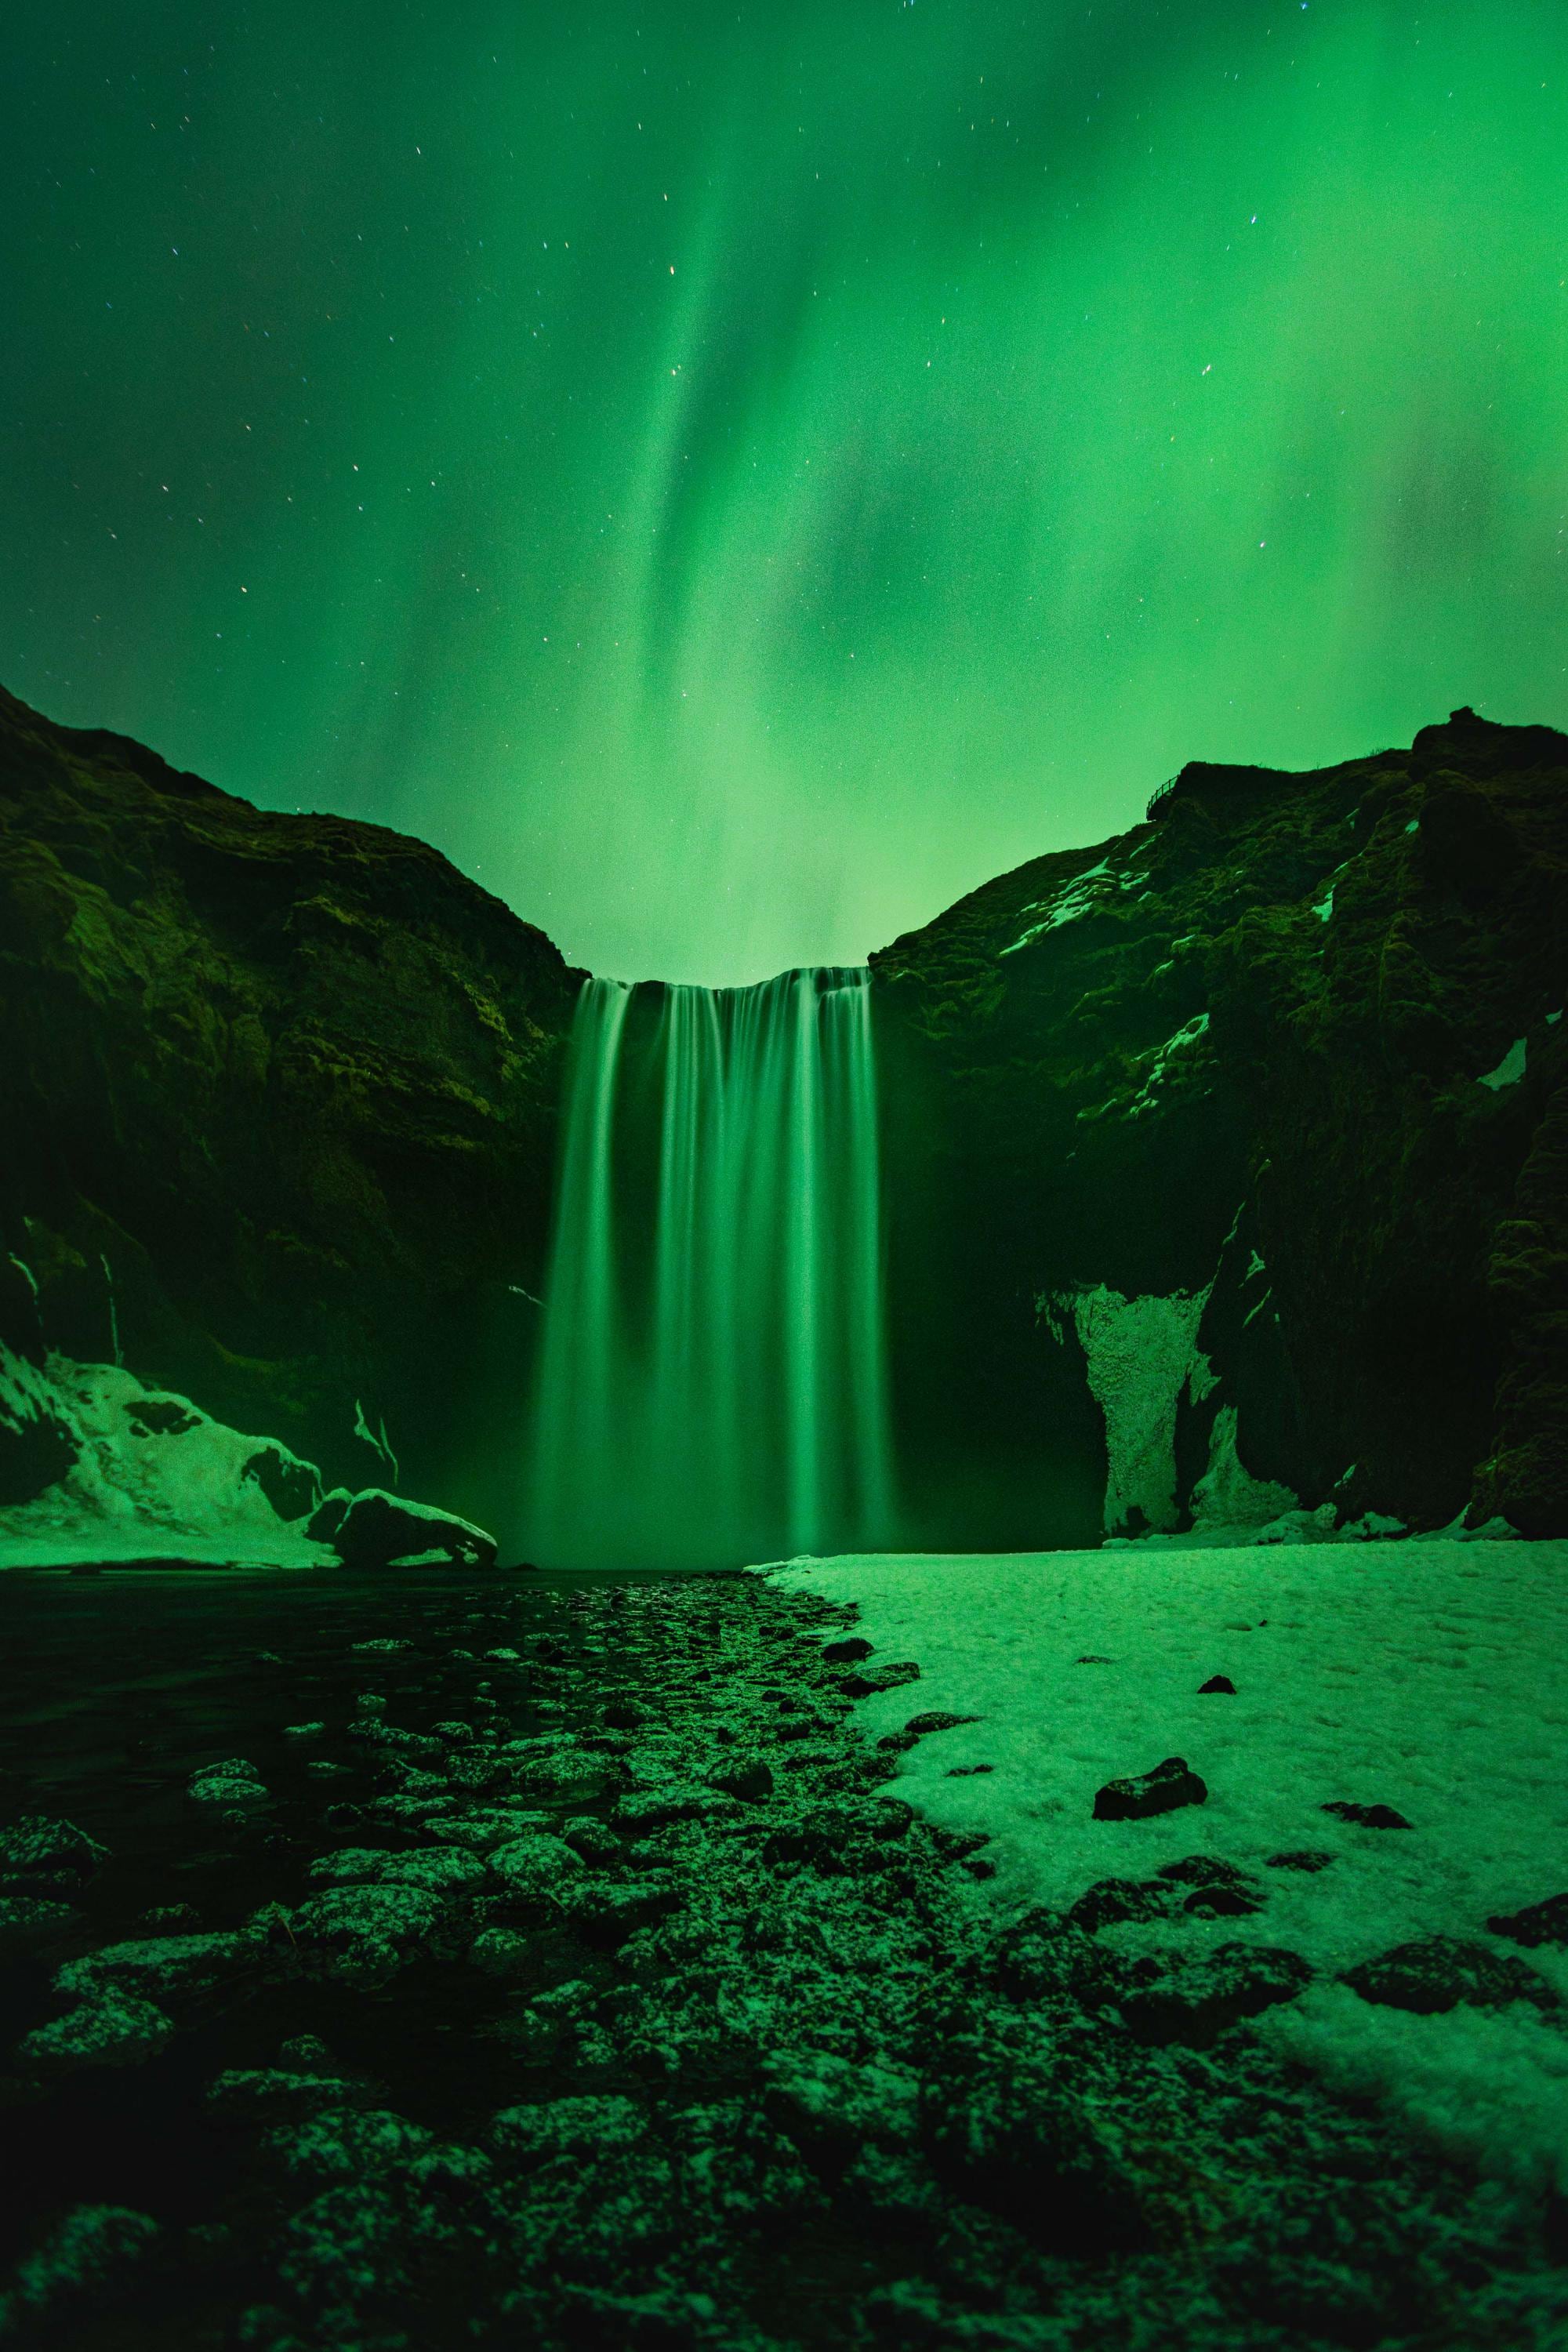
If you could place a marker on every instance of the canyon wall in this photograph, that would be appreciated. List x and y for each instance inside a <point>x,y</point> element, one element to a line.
<point>277,1096</point>
<point>1228,1159</point>
<point>1227,1162</point>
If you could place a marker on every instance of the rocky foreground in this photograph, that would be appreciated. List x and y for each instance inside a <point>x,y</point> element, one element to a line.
<point>559,1964</point>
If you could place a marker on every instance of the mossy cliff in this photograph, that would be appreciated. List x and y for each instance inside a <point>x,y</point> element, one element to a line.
<point>278,1098</point>
<point>1242,1140</point>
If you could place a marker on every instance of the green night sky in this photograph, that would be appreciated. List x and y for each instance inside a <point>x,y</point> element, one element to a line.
<point>737,477</point>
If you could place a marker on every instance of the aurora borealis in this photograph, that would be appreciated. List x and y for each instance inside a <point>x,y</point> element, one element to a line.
<point>735,478</point>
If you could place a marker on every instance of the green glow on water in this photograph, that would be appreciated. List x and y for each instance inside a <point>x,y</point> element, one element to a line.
<point>713,1384</point>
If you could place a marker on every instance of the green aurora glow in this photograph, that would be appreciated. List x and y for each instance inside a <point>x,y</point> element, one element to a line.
<point>735,478</point>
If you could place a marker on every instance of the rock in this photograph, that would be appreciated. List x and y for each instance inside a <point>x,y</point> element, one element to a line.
<point>381,1530</point>
<point>1223,1902</point>
<point>37,1843</point>
<point>880,1678</point>
<point>441,1871</point>
<point>1092,1658</point>
<point>846,1653</point>
<point>1216,1683</point>
<point>1436,1973</point>
<point>347,2143</point>
<point>1305,1858</point>
<point>292,1488</point>
<point>678,1801</point>
<point>27,1921</point>
<point>82,2261</point>
<point>1110,1902</point>
<point>607,1912</point>
<point>1141,1796</point>
<point>303,1730</point>
<point>329,1515</point>
<point>1204,1869</point>
<point>279,2093</point>
<point>583,2128</point>
<point>502,1952</point>
<point>1203,1994</point>
<point>935,1720</point>
<point>161,1968</point>
<point>233,1782</point>
<point>536,1870</point>
<point>1366,1817</point>
<point>751,1783</point>
<point>114,2029</point>
<point>1537,1924</point>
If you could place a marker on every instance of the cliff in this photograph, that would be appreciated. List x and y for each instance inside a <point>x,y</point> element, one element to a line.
<point>278,1098</point>
<point>1229,1157</point>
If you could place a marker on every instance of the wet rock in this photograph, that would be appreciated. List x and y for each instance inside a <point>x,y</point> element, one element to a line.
<point>363,1933</point>
<point>161,1968</point>
<point>38,1844</point>
<point>1305,1858</point>
<point>1141,1796</point>
<point>232,1782</point>
<point>171,1919</point>
<point>1007,2125</point>
<point>535,1870</point>
<point>581,2128</point>
<point>440,1871</point>
<point>832,2108</point>
<point>1203,1994</point>
<point>1433,1974</point>
<point>347,2143</point>
<point>27,1921</point>
<point>113,2028</point>
<point>83,2261</point>
<point>593,1839</point>
<point>1537,1924</point>
<point>1366,1817</point>
<point>751,1783</point>
<point>382,1530</point>
<point>276,2094</point>
<point>607,1912</point>
<point>503,1952</point>
<point>653,1809</point>
<point>1111,1902</point>
<point>1215,1685</point>
<point>303,1730</point>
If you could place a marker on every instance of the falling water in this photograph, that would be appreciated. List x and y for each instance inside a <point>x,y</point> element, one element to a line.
<point>713,1384</point>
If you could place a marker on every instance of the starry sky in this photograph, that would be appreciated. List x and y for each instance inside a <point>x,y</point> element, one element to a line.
<point>736,476</point>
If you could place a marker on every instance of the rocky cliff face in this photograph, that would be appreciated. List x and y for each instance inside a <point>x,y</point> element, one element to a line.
<point>279,1101</point>
<point>1229,1158</point>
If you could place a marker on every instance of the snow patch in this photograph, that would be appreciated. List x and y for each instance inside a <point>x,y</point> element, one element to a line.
<point>1227,1494</point>
<point>1141,1352</point>
<point>1430,1676</point>
<point>1509,1070</point>
<point>153,1475</point>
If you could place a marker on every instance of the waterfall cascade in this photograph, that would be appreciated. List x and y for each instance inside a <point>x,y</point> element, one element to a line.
<point>713,1381</point>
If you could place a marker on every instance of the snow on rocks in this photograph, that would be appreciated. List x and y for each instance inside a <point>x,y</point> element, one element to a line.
<point>375,1529</point>
<point>152,1474</point>
<point>1428,1678</point>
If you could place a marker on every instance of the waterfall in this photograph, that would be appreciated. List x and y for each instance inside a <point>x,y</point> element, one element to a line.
<point>713,1385</point>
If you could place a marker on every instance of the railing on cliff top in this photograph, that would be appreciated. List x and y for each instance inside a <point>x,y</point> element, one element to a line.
<point>1160,800</point>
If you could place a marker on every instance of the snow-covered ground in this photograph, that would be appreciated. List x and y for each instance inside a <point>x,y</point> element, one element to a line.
<point>1428,1675</point>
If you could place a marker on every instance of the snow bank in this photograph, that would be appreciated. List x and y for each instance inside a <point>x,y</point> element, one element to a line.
<point>1430,1676</point>
<point>152,1476</point>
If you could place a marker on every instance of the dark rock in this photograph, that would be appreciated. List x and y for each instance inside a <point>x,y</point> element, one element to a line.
<point>958,1845</point>
<point>1437,1973</point>
<point>1216,1682</point>
<point>292,1488</point>
<point>27,1921</point>
<point>619,1717</point>
<point>1366,1817</point>
<point>1142,1795</point>
<point>845,1653</point>
<point>38,1844</point>
<point>1305,1858</point>
<point>880,1678</point>
<point>1539,1923</point>
<point>1220,1902</point>
<point>329,1515</point>
<point>935,1720</point>
<point>751,1782</point>
<point>1204,1869</point>
<point>891,1818</point>
<point>1206,1993</point>
<point>378,1529</point>
<point>1110,1902</point>
<point>1090,1658</point>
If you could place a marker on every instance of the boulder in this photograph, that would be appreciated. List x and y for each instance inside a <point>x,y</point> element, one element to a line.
<point>381,1530</point>
<point>1433,1974</point>
<point>1538,1923</point>
<point>1142,1794</point>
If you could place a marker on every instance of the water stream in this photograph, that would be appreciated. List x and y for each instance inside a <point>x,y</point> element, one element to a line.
<point>713,1383</point>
